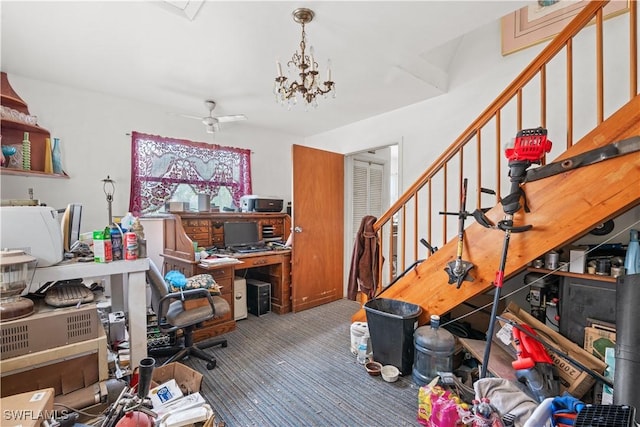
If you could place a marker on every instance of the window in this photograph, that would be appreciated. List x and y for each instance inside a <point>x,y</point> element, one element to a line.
<point>164,169</point>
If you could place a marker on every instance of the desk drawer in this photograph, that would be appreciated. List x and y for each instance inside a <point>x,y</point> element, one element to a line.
<point>219,274</point>
<point>256,261</point>
<point>195,223</point>
<point>226,285</point>
<point>223,277</point>
<point>196,230</point>
<point>201,238</point>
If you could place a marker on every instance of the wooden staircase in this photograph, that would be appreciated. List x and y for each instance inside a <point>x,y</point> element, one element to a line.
<point>563,207</point>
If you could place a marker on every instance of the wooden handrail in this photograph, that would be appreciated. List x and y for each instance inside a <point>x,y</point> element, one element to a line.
<point>633,49</point>
<point>593,11</point>
<point>554,47</point>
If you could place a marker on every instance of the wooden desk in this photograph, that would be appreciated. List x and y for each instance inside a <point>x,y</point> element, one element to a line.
<point>270,266</point>
<point>181,231</point>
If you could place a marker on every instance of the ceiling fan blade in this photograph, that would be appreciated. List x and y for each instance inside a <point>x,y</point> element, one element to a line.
<point>231,118</point>
<point>188,116</point>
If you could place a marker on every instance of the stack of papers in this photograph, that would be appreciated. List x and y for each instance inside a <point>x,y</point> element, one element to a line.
<point>219,260</point>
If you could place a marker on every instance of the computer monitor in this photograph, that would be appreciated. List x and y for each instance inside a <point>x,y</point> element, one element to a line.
<point>241,233</point>
<point>71,217</point>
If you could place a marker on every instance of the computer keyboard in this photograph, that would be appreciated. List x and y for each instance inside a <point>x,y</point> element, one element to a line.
<point>250,249</point>
<point>67,294</point>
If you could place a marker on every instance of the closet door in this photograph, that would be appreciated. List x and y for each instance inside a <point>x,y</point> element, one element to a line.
<point>367,188</point>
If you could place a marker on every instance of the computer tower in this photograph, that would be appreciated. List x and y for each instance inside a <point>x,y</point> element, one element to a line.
<point>258,297</point>
<point>239,298</point>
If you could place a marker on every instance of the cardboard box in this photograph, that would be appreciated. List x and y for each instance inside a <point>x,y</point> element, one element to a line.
<point>609,373</point>
<point>572,379</point>
<point>63,377</point>
<point>66,368</point>
<point>27,409</point>
<point>187,379</point>
<point>597,338</point>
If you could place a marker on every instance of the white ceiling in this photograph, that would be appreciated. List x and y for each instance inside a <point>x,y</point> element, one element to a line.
<point>384,54</point>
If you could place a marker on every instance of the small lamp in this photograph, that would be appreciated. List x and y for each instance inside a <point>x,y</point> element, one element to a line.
<point>109,188</point>
<point>15,266</point>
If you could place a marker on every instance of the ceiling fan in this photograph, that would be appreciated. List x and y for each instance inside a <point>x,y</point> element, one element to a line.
<point>212,122</point>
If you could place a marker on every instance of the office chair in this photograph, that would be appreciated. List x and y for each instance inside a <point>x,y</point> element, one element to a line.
<point>172,315</point>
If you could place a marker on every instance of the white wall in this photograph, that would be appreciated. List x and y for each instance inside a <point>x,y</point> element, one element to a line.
<point>478,74</point>
<point>95,129</point>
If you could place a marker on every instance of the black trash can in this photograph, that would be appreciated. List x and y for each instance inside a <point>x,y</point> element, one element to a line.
<point>391,326</point>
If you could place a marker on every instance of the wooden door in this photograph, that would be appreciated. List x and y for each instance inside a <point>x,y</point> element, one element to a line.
<point>318,227</point>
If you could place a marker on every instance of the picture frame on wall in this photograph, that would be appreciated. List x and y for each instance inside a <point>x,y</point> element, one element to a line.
<point>543,20</point>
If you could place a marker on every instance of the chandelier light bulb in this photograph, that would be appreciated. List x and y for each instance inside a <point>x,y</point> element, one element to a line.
<point>304,67</point>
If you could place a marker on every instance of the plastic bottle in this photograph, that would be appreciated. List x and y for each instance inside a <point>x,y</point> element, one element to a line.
<point>116,243</point>
<point>362,349</point>
<point>127,222</point>
<point>632,259</point>
<point>142,242</point>
<point>130,246</point>
<point>108,246</point>
<point>434,349</point>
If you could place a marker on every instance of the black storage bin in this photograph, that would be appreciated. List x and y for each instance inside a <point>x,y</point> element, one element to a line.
<point>391,326</point>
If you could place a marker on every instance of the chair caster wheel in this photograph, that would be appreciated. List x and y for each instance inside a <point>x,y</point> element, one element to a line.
<point>224,344</point>
<point>211,365</point>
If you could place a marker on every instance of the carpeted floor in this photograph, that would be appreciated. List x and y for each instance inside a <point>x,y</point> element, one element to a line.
<point>297,369</point>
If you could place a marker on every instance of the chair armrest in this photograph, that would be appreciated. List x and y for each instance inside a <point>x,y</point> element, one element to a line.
<point>186,295</point>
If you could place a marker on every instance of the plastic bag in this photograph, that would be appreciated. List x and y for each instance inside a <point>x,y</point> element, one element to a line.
<point>438,407</point>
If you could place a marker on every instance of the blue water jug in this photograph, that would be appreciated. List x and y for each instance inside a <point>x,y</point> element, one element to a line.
<point>632,259</point>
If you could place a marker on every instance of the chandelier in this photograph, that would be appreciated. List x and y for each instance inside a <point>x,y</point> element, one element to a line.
<point>303,64</point>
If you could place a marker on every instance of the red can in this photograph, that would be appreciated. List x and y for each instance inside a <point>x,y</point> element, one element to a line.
<point>130,246</point>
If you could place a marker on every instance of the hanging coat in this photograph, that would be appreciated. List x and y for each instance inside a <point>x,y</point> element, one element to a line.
<point>363,275</point>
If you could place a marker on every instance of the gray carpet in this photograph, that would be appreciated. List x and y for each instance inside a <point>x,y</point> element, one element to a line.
<point>297,369</point>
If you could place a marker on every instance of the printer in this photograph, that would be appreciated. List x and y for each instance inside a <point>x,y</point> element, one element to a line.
<point>254,203</point>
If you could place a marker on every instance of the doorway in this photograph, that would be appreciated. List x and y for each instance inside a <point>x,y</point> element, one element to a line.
<point>372,184</point>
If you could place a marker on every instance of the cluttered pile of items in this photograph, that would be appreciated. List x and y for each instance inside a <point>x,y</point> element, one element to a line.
<point>165,396</point>
<point>522,372</point>
<point>66,350</point>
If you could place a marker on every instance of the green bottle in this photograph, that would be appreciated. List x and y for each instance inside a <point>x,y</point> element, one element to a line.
<point>26,152</point>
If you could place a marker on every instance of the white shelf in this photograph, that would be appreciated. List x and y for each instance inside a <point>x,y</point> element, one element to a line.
<point>128,279</point>
<point>74,270</point>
